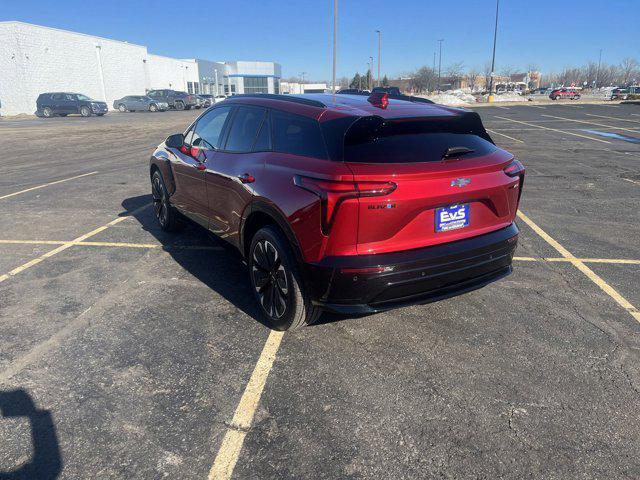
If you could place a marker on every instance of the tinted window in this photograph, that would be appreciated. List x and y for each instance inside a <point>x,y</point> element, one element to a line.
<point>206,133</point>
<point>244,129</point>
<point>372,140</point>
<point>297,135</point>
<point>56,96</point>
<point>263,142</point>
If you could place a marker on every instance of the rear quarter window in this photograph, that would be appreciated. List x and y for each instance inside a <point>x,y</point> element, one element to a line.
<point>297,135</point>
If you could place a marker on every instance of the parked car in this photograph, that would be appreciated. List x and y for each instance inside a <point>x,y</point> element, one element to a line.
<point>173,98</point>
<point>207,100</point>
<point>564,93</point>
<point>140,103</point>
<point>356,205</point>
<point>619,93</point>
<point>390,90</point>
<point>63,104</point>
<point>634,92</point>
<point>219,98</point>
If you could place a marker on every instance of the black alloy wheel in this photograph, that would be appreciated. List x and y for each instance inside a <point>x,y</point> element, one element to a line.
<point>165,214</point>
<point>270,279</point>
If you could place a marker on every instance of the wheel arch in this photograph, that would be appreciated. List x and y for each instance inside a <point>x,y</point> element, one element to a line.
<point>259,215</point>
<point>163,166</point>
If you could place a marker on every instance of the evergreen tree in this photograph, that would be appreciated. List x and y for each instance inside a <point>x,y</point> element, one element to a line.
<point>385,81</point>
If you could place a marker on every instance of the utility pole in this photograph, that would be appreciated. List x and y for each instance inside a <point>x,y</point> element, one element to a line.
<point>598,70</point>
<point>335,48</point>
<point>379,41</point>
<point>493,58</point>
<point>440,62</point>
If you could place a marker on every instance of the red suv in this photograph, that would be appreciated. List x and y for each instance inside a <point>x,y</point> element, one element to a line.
<point>350,203</point>
<point>559,93</point>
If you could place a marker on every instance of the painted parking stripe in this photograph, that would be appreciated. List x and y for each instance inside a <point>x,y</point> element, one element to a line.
<point>503,135</point>
<point>633,130</point>
<point>67,245</point>
<point>37,187</point>
<point>591,275</point>
<point>613,118</point>
<point>233,440</point>
<point>554,130</point>
<point>615,261</point>
<point>504,108</point>
<point>632,181</point>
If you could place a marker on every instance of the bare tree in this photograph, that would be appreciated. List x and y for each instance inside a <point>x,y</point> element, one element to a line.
<point>473,75</point>
<point>628,69</point>
<point>454,72</point>
<point>423,80</point>
<point>487,74</point>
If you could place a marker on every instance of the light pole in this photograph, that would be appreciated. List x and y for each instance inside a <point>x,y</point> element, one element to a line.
<point>335,48</point>
<point>598,70</point>
<point>493,57</point>
<point>440,62</point>
<point>370,76</point>
<point>379,42</point>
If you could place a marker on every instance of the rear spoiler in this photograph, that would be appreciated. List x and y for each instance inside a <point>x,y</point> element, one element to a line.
<point>345,130</point>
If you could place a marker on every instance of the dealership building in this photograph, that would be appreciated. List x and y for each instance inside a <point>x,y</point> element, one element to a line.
<point>36,59</point>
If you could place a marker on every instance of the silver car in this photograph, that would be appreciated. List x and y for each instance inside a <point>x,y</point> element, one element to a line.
<point>132,103</point>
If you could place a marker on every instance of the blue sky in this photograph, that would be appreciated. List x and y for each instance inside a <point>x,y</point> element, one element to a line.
<point>297,33</point>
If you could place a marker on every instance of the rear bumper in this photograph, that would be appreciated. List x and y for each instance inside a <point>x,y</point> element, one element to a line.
<point>415,276</point>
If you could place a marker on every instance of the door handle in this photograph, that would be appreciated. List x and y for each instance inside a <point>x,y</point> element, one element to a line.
<point>246,178</point>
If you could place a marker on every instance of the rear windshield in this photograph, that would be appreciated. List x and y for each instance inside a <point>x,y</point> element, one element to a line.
<point>374,140</point>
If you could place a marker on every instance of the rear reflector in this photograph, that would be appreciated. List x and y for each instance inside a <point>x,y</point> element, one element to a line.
<point>367,270</point>
<point>332,193</point>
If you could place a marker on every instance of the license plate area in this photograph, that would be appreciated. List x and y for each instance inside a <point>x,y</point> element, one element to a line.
<point>452,217</point>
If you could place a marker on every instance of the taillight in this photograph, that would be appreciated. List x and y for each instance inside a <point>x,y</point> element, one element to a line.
<point>332,193</point>
<point>380,100</point>
<point>514,169</point>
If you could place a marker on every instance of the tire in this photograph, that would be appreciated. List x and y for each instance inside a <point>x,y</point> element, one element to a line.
<point>276,282</point>
<point>153,107</point>
<point>166,215</point>
<point>100,114</point>
<point>179,105</point>
<point>47,112</point>
<point>85,111</point>
<point>63,114</point>
<point>122,108</point>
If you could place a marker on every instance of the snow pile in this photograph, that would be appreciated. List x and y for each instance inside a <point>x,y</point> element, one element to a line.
<point>456,98</point>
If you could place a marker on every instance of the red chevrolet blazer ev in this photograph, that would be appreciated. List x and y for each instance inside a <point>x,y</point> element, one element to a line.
<point>348,203</point>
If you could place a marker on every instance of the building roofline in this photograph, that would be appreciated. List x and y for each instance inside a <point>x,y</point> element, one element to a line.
<point>17,22</point>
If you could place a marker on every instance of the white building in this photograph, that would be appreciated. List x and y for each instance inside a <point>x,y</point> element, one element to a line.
<point>35,60</point>
<point>297,88</point>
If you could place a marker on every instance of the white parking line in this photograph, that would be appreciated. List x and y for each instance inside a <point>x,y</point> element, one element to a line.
<point>633,130</point>
<point>632,181</point>
<point>504,108</point>
<point>46,185</point>
<point>554,130</point>
<point>614,118</point>
<point>507,136</point>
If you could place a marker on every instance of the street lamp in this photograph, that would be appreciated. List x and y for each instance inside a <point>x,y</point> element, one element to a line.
<point>440,62</point>
<point>335,48</point>
<point>493,58</point>
<point>379,41</point>
<point>598,70</point>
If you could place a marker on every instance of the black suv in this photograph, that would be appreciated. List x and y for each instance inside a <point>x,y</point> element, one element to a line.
<point>175,99</point>
<point>63,104</point>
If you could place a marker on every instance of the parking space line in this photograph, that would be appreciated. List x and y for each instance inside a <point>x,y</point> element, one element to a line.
<point>237,430</point>
<point>46,185</point>
<point>621,261</point>
<point>504,108</point>
<point>613,118</point>
<point>538,106</point>
<point>554,130</point>
<point>67,245</point>
<point>632,181</point>
<point>110,244</point>
<point>634,130</point>
<point>604,286</point>
<point>507,136</point>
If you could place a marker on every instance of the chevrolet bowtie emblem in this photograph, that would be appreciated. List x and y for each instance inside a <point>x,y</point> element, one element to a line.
<point>460,182</point>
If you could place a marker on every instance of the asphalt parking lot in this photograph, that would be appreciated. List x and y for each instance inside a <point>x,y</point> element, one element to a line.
<point>126,352</point>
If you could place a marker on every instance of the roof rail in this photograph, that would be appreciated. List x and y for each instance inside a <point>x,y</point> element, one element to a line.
<point>286,98</point>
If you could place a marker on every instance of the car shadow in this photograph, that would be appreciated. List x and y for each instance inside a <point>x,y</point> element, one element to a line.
<point>46,461</point>
<point>211,260</point>
<point>219,265</point>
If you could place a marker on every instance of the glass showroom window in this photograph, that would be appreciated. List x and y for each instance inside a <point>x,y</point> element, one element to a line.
<point>256,85</point>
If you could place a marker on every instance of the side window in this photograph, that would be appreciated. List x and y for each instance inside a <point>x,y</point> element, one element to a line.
<point>206,133</point>
<point>244,129</point>
<point>263,142</point>
<point>56,96</point>
<point>70,97</point>
<point>297,135</point>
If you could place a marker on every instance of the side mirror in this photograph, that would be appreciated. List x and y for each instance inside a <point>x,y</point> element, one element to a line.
<point>175,141</point>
